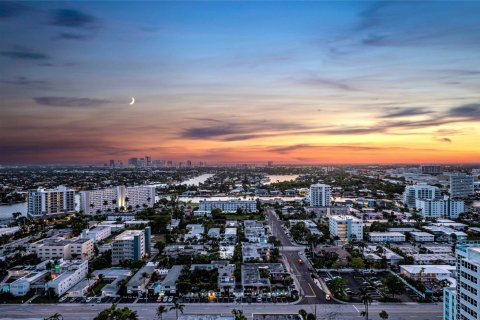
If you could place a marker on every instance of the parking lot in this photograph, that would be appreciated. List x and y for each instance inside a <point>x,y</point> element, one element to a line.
<point>371,281</point>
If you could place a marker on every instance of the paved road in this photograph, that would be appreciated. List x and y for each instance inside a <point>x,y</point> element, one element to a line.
<point>324,312</point>
<point>309,289</point>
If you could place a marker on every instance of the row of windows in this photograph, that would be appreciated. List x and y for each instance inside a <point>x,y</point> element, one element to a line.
<point>469,266</point>
<point>469,277</point>
<point>469,311</point>
<point>473,302</point>
<point>468,288</point>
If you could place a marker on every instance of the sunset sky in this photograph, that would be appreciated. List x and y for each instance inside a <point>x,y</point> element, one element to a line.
<point>291,82</point>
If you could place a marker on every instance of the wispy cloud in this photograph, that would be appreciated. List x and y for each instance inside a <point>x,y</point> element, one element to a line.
<point>71,36</point>
<point>328,83</point>
<point>406,112</point>
<point>21,53</point>
<point>70,102</point>
<point>467,112</point>
<point>72,18</point>
<point>448,140</point>
<point>24,81</point>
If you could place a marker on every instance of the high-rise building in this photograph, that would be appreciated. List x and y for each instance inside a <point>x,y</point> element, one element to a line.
<point>419,191</point>
<point>148,161</point>
<point>461,185</point>
<point>131,245</point>
<point>103,200</point>
<point>49,202</point>
<point>346,228</point>
<point>133,162</point>
<point>437,208</point>
<point>320,195</point>
<point>431,169</point>
<point>189,163</point>
<point>461,302</point>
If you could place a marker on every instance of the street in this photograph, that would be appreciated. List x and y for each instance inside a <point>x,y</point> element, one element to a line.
<point>309,290</point>
<point>148,311</point>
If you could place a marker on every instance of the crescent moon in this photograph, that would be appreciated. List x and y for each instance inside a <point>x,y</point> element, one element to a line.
<point>133,101</point>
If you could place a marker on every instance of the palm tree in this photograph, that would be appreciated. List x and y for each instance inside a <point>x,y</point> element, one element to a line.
<point>145,276</point>
<point>89,277</point>
<point>55,316</point>
<point>366,299</point>
<point>160,311</point>
<point>383,315</point>
<point>177,307</point>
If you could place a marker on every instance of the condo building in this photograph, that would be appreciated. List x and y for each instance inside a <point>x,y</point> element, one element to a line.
<point>419,191</point>
<point>461,185</point>
<point>320,195</point>
<point>131,245</point>
<point>437,208</point>
<point>60,248</point>
<point>50,202</point>
<point>228,205</point>
<point>346,228</point>
<point>116,198</point>
<point>462,301</point>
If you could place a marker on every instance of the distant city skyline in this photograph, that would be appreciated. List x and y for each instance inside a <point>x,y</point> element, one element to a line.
<point>240,82</point>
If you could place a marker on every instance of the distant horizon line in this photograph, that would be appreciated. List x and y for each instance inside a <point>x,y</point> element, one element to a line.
<point>219,164</point>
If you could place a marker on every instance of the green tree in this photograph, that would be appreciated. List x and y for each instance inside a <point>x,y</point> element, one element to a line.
<point>383,315</point>
<point>239,314</point>
<point>394,285</point>
<point>357,263</point>
<point>114,313</point>
<point>338,285</point>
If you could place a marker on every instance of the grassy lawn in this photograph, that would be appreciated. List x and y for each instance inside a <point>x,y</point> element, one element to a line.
<point>97,289</point>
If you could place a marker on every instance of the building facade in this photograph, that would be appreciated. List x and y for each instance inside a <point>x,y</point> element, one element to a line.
<point>462,302</point>
<point>76,272</point>
<point>131,245</point>
<point>387,237</point>
<point>419,191</point>
<point>228,205</point>
<point>59,248</point>
<point>50,202</point>
<point>438,208</point>
<point>117,198</point>
<point>346,228</point>
<point>320,195</point>
<point>461,185</point>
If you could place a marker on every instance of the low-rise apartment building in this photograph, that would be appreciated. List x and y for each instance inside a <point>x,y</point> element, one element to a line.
<point>422,236</point>
<point>228,205</point>
<point>346,228</point>
<point>75,272</point>
<point>387,237</point>
<point>97,234</point>
<point>60,248</point>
